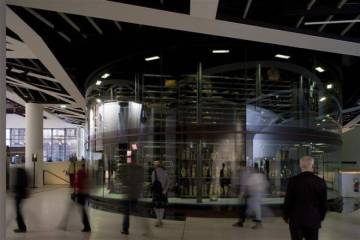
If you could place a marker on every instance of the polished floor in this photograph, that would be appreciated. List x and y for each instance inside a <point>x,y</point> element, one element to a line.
<point>45,209</point>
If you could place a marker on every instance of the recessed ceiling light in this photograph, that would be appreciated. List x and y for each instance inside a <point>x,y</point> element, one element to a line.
<point>329,86</point>
<point>152,58</point>
<point>98,100</point>
<point>282,56</point>
<point>220,51</point>
<point>98,82</point>
<point>63,106</point>
<point>320,69</point>
<point>322,99</point>
<point>105,75</point>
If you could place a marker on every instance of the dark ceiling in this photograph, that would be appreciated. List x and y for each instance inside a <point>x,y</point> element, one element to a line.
<point>84,44</point>
<point>293,15</point>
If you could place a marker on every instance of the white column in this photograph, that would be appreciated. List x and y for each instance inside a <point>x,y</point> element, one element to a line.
<point>34,142</point>
<point>2,122</point>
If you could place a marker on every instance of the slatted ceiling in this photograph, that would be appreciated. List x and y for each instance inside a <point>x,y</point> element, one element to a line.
<point>12,34</point>
<point>292,15</point>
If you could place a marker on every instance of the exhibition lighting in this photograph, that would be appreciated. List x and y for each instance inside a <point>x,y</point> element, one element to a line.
<point>98,82</point>
<point>320,69</point>
<point>329,86</point>
<point>152,58</point>
<point>322,99</point>
<point>63,106</point>
<point>282,56</point>
<point>221,51</point>
<point>105,75</point>
<point>98,100</point>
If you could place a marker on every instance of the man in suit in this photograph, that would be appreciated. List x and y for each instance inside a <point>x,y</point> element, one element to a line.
<point>305,202</point>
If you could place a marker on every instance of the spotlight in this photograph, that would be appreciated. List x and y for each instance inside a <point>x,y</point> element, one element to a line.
<point>152,58</point>
<point>105,75</point>
<point>282,56</point>
<point>320,69</point>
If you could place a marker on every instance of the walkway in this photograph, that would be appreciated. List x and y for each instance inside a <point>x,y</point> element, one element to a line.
<point>45,209</point>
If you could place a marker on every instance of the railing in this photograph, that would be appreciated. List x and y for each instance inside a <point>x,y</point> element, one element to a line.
<point>54,175</point>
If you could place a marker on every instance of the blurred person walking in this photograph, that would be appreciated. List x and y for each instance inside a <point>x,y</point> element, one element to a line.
<point>257,185</point>
<point>160,183</point>
<point>21,193</point>
<point>305,202</point>
<point>244,195</point>
<point>133,180</point>
<point>82,195</point>
<point>72,170</point>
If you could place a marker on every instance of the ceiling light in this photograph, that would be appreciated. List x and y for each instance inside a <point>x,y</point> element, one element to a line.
<point>282,56</point>
<point>63,106</point>
<point>333,22</point>
<point>98,82</point>
<point>221,51</point>
<point>152,58</point>
<point>329,86</point>
<point>98,100</point>
<point>105,75</point>
<point>320,69</point>
<point>324,120</point>
<point>322,99</point>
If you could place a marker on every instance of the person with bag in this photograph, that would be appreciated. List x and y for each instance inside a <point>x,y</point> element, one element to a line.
<point>160,185</point>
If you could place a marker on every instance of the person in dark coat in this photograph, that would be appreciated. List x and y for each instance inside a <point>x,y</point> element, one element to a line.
<point>133,180</point>
<point>305,202</point>
<point>21,193</point>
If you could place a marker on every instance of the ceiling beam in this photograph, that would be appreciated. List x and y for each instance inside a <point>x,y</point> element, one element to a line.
<point>157,18</point>
<point>204,9</point>
<point>309,6</point>
<point>94,24</point>
<point>351,25</point>
<point>247,8</point>
<point>44,54</point>
<point>329,18</point>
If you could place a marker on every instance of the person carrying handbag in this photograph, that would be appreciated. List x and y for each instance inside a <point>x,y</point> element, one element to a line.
<point>160,185</point>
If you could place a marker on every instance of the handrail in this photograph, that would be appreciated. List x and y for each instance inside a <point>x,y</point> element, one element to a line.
<point>53,174</point>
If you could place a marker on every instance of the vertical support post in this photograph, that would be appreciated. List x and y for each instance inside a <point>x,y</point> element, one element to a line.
<point>199,148</point>
<point>300,107</point>
<point>258,85</point>
<point>2,121</point>
<point>34,141</point>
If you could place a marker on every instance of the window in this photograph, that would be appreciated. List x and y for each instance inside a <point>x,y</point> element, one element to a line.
<point>8,137</point>
<point>59,143</point>
<point>17,137</point>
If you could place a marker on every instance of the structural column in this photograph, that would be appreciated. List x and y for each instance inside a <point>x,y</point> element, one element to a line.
<point>34,143</point>
<point>2,122</point>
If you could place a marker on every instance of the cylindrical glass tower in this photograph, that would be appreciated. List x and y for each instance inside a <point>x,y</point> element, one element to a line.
<point>263,114</point>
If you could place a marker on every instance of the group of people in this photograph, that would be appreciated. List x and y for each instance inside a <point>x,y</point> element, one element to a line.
<point>304,206</point>
<point>80,195</point>
<point>133,181</point>
<point>305,201</point>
